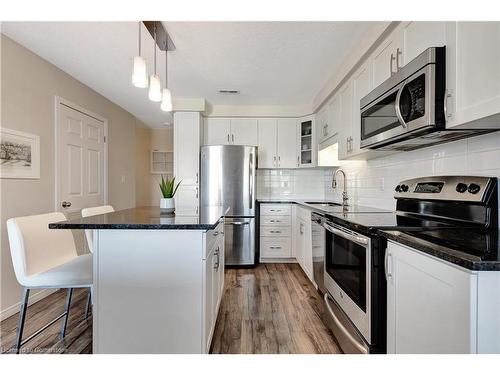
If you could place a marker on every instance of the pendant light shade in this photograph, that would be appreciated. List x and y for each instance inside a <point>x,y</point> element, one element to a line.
<point>166,100</point>
<point>154,88</point>
<point>140,75</point>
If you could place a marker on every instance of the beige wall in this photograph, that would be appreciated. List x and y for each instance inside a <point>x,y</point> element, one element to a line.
<point>29,85</point>
<point>147,192</point>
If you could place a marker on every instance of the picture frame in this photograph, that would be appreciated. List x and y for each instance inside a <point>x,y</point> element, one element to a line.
<point>19,154</point>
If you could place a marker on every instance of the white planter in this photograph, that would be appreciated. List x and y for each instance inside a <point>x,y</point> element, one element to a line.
<point>167,205</point>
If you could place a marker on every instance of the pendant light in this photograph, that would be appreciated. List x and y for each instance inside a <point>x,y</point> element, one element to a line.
<point>139,75</point>
<point>154,80</point>
<point>166,96</point>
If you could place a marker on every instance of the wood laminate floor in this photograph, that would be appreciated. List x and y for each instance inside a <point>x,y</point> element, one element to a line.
<point>272,308</point>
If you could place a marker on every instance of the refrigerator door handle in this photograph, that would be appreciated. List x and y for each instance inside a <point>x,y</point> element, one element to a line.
<point>251,171</point>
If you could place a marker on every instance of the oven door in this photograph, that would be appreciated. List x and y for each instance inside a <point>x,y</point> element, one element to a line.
<point>348,275</point>
<point>405,110</point>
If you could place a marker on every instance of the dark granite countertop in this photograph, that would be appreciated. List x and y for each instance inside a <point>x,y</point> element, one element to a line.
<point>147,218</point>
<point>474,249</point>
<point>321,206</point>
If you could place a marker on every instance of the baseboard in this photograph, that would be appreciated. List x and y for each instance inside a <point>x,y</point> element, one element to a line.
<point>278,260</point>
<point>35,296</point>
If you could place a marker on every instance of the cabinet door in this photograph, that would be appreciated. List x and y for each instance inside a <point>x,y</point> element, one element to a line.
<point>322,124</point>
<point>346,112</point>
<point>209,303</point>
<point>244,132</point>
<point>187,147</point>
<point>307,248</point>
<point>187,200</point>
<point>430,304</point>
<point>361,86</point>
<point>420,35</point>
<point>333,118</point>
<point>472,72</point>
<point>267,155</point>
<point>287,143</point>
<point>217,131</point>
<point>384,59</point>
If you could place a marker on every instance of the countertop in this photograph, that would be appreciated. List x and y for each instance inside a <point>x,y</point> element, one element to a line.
<point>337,208</point>
<point>477,250</point>
<point>147,218</point>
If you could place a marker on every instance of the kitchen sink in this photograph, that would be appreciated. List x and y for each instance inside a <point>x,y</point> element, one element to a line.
<point>324,204</point>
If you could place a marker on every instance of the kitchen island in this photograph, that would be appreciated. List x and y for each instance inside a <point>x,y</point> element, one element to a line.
<point>158,279</point>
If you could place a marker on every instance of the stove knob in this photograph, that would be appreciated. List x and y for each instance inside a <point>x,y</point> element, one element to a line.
<point>461,187</point>
<point>398,188</point>
<point>474,188</point>
<point>404,188</point>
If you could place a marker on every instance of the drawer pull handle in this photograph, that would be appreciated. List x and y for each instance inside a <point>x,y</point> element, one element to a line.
<point>275,247</point>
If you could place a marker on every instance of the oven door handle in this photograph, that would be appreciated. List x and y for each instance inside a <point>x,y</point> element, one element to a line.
<point>344,330</point>
<point>398,107</point>
<point>352,237</point>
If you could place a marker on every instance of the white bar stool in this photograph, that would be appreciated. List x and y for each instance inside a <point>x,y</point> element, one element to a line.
<point>45,258</point>
<point>89,236</point>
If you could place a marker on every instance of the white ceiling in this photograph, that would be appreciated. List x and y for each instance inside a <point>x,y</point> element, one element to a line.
<point>271,63</point>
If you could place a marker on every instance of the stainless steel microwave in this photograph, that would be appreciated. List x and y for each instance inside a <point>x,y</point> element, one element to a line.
<point>407,111</point>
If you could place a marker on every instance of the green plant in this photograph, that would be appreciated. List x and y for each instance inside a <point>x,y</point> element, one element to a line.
<point>168,187</point>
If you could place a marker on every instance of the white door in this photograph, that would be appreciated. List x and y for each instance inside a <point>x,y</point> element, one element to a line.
<point>244,132</point>
<point>333,117</point>
<point>430,304</point>
<point>384,59</point>
<point>187,200</point>
<point>346,112</point>
<point>473,72</point>
<point>81,160</point>
<point>217,131</point>
<point>361,86</point>
<point>287,143</point>
<point>267,157</point>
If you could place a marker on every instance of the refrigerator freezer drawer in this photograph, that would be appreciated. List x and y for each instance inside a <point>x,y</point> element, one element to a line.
<point>239,241</point>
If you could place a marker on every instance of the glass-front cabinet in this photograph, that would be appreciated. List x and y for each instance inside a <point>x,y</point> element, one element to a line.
<point>306,156</point>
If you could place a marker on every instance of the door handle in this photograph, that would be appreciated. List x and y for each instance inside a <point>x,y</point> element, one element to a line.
<point>232,137</point>
<point>228,138</point>
<point>390,63</point>
<point>397,106</point>
<point>398,52</point>
<point>388,269</point>
<point>447,95</point>
<point>239,223</point>
<point>298,161</point>
<point>66,204</point>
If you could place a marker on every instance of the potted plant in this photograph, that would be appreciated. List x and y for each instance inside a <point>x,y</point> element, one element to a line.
<point>168,189</point>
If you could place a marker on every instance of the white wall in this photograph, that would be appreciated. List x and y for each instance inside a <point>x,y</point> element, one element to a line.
<point>372,182</point>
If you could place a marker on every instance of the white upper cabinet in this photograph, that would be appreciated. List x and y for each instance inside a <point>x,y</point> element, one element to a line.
<point>244,132</point>
<point>187,147</point>
<point>361,86</point>
<point>321,124</point>
<point>267,153</point>
<point>346,113</point>
<point>420,35</point>
<point>387,58</point>
<point>217,131</point>
<point>226,131</point>
<point>287,143</point>
<point>306,142</point>
<point>473,73</point>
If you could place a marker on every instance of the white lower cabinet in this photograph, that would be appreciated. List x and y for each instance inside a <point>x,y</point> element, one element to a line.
<point>302,240</point>
<point>213,269</point>
<point>275,232</point>
<point>436,307</point>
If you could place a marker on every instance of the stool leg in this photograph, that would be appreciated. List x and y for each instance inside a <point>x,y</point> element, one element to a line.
<point>87,308</point>
<point>22,317</point>
<point>66,314</point>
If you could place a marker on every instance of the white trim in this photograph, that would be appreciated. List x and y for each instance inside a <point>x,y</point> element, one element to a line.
<point>33,298</point>
<point>61,101</point>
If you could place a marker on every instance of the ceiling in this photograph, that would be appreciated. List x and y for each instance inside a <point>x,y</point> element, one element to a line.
<point>271,63</point>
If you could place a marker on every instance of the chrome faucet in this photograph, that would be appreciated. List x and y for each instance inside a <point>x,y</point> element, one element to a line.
<point>345,198</point>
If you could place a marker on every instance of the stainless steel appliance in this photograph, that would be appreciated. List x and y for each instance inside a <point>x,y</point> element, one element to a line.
<point>355,251</point>
<point>318,250</point>
<point>228,179</point>
<point>408,110</point>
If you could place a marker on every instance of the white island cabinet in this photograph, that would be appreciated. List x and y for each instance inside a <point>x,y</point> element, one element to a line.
<point>158,280</point>
<point>434,306</point>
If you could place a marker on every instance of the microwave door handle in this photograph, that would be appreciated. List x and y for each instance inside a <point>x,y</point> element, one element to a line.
<point>350,237</point>
<point>397,106</point>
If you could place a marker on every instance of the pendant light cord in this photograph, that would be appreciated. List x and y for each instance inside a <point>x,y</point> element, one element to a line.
<point>139,38</point>
<point>155,45</point>
<point>166,68</point>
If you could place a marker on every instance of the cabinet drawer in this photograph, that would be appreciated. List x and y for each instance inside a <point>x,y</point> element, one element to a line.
<point>211,237</point>
<point>275,231</point>
<point>276,221</point>
<point>275,247</point>
<point>275,209</point>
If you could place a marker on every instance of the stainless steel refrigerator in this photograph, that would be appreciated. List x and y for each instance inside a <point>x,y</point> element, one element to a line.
<point>228,178</point>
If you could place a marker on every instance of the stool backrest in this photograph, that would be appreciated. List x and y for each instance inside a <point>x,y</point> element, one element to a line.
<point>35,248</point>
<point>92,211</point>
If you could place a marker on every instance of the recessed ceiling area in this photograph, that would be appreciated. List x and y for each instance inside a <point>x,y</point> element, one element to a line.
<point>269,63</point>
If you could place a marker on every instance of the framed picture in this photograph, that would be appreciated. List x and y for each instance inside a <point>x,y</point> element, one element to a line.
<point>19,154</point>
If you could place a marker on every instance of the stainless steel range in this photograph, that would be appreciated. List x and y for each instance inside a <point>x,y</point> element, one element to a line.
<point>355,253</point>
